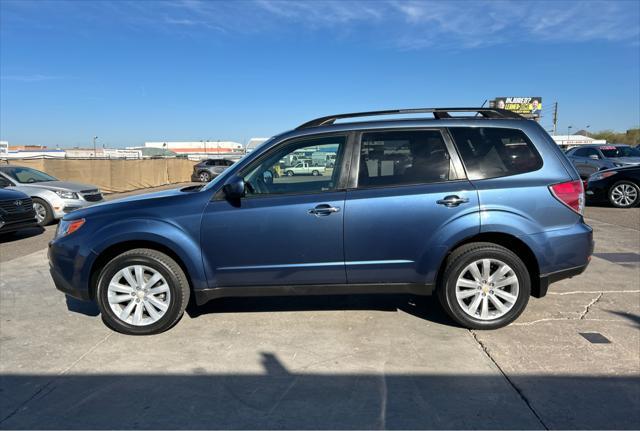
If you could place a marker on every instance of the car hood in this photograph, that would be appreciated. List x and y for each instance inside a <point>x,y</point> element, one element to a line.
<point>626,160</point>
<point>60,185</point>
<point>11,194</point>
<point>138,201</point>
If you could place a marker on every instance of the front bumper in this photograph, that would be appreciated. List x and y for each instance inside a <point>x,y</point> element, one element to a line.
<point>13,226</point>
<point>597,191</point>
<point>70,266</point>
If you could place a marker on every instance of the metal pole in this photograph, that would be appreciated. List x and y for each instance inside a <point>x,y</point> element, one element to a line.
<point>555,118</point>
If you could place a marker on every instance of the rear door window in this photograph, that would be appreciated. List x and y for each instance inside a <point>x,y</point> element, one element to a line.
<point>491,152</point>
<point>403,157</point>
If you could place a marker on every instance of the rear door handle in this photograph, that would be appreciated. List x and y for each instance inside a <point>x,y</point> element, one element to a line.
<point>323,210</point>
<point>452,201</point>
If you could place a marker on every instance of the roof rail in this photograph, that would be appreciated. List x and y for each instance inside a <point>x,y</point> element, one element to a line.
<point>438,114</point>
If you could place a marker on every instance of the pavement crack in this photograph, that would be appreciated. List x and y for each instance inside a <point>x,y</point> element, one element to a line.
<point>574,292</point>
<point>51,381</point>
<point>589,305</point>
<point>513,385</point>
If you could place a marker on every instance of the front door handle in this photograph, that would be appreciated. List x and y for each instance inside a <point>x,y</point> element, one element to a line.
<point>452,201</point>
<point>323,210</point>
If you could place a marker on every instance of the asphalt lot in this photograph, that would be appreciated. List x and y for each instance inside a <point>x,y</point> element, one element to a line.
<point>328,362</point>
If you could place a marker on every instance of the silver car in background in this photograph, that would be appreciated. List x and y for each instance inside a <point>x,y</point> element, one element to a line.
<point>52,199</point>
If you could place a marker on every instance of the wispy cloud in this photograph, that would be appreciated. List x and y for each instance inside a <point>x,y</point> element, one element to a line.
<point>408,24</point>
<point>30,78</point>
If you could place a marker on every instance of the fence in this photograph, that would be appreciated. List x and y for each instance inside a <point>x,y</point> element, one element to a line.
<point>114,176</point>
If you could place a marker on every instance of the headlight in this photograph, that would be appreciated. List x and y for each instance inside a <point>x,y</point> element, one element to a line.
<point>601,175</point>
<point>68,227</point>
<point>66,195</point>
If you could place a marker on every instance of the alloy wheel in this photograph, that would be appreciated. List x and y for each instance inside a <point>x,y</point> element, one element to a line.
<point>487,289</point>
<point>41,211</point>
<point>624,195</point>
<point>138,295</point>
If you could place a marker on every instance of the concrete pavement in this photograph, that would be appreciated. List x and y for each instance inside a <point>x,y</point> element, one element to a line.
<point>328,362</point>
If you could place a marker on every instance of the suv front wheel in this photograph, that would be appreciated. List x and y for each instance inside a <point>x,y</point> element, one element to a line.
<point>484,286</point>
<point>142,292</point>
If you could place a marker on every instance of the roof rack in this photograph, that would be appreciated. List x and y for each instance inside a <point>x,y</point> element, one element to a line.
<point>438,114</point>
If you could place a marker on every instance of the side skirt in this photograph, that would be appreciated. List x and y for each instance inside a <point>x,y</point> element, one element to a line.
<point>204,295</point>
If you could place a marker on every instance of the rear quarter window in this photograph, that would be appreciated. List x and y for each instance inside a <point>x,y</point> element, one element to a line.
<point>491,152</point>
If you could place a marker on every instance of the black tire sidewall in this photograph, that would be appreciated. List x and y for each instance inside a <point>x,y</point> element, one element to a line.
<point>49,216</point>
<point>633,205</point>
<point>452,273</point>
<point>176,307</point>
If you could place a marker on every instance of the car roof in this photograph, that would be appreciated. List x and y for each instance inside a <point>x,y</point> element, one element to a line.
<point>521,124</point>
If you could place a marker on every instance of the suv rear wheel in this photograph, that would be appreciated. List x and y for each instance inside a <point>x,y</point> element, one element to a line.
<point>484,286</point>
<point>142,292</point>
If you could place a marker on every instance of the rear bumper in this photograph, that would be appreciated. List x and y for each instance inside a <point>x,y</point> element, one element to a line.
<point>547,279</point>
<point>561,254</point>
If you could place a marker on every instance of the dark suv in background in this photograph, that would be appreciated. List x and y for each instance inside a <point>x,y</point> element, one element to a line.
<point>207,170</point>
<point>477,205</point>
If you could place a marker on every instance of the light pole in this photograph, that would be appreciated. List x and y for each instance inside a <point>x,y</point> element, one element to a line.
<point>95,138</point>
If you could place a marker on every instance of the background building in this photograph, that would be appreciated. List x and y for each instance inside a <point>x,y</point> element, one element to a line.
<point>201,149</point>
<point>569,141</point>
<point>253,144</point>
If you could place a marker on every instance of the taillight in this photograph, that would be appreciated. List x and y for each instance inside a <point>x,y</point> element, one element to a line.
<point>570,193</point>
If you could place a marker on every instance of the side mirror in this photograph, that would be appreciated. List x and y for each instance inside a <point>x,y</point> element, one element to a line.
<point>234,188</point>
<point>594,157</point>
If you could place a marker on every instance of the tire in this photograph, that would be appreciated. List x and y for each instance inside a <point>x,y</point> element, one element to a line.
<point>44,213</point>
<point>204,176</point>
<point>457,266</point>
<point>173,284</point>
<point>315,173</point>
<point>289,173</point>
<point>624,194</point>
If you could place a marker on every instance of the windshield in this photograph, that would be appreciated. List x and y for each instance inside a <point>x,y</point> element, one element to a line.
<point>621,151</point>
<point>27,175</point>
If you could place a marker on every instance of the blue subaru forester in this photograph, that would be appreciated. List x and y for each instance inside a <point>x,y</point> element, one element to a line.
<point>477,205</point>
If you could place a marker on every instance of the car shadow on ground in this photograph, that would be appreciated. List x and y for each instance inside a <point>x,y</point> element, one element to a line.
<point>277,397</point>
<point>21,234</point>
<point>423,307</point>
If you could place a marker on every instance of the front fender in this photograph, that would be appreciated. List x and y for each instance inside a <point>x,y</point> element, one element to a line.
<point>183,243</point>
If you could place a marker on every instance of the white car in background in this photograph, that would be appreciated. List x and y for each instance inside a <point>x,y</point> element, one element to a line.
<point>52,199</point>
<point>304,168</point>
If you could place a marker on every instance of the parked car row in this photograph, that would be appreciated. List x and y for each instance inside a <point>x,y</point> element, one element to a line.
<point>589,159</point>
<point>50,198</point>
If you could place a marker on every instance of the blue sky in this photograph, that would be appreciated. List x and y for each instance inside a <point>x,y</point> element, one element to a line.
<point>131,72</point>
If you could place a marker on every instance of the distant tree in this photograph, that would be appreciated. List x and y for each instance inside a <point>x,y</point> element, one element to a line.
<point>631,137</point>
